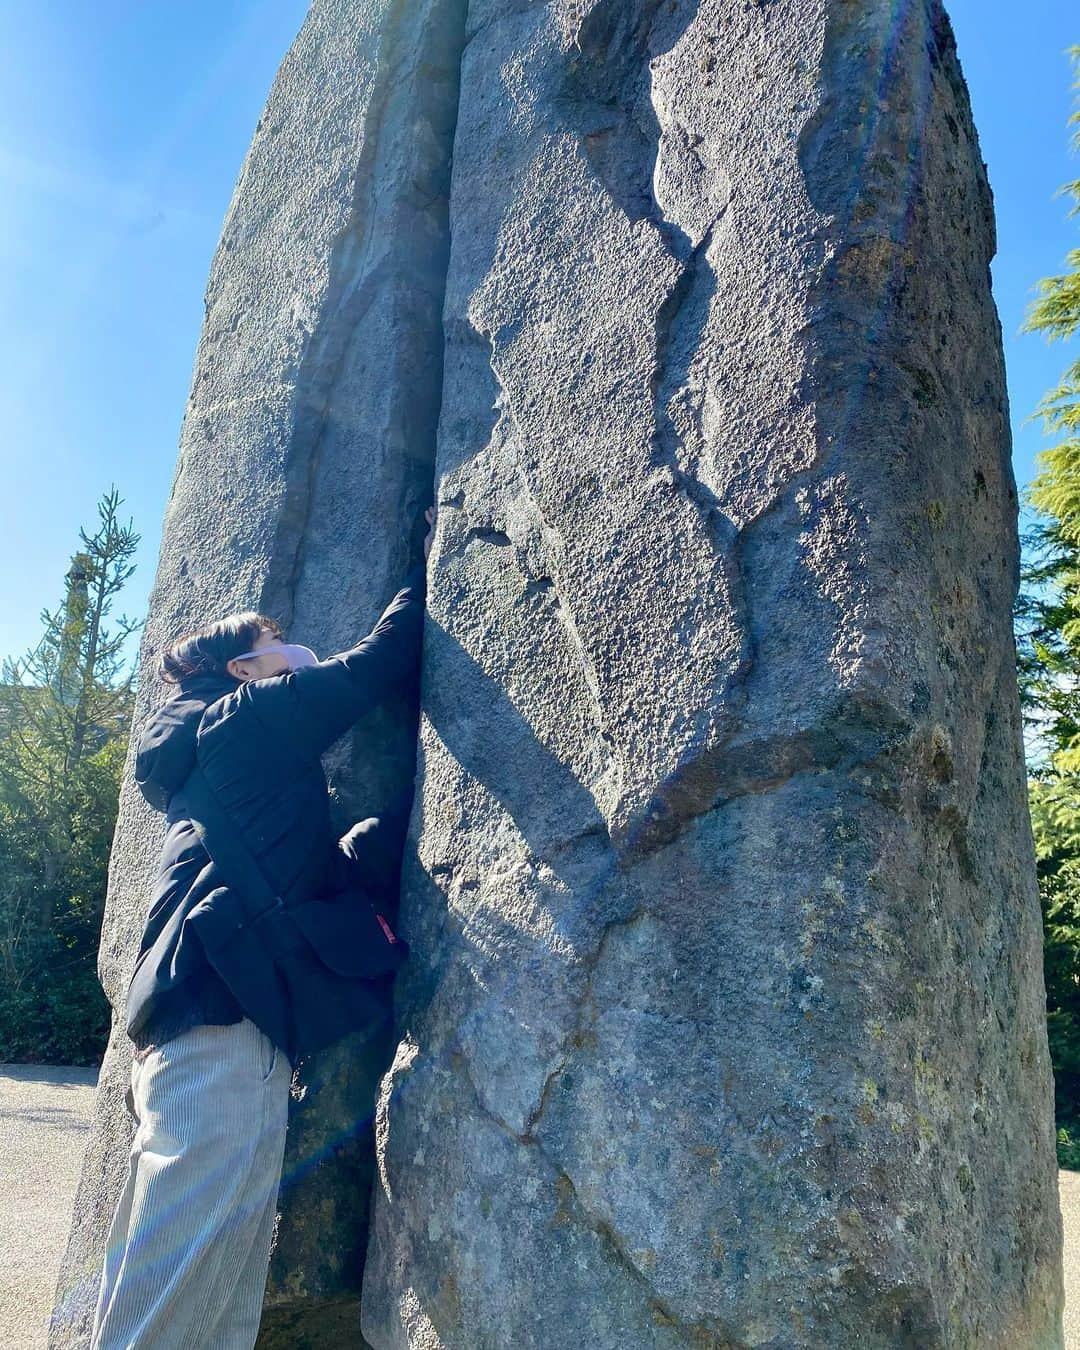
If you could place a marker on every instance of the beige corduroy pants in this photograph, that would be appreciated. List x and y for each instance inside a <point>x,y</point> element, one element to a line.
<point>187,1254</point>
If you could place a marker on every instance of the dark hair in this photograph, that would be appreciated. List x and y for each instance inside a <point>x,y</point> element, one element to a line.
<point>206,651</point>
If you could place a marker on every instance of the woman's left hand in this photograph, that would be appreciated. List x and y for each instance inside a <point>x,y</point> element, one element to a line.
<point>429,516</point>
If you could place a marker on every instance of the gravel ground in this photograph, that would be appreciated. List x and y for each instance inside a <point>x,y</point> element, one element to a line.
<point>1069,1187</point>
<point>45,1112</point>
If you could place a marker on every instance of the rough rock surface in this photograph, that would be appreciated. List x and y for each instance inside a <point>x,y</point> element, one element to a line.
<point>724,1026</point>
<point>726,1023</point>
<point>305,458</point>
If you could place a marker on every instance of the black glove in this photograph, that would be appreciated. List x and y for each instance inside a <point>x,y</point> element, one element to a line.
<point>370,853</point>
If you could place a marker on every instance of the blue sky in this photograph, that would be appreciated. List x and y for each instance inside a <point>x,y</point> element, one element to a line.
<point>123,125</point>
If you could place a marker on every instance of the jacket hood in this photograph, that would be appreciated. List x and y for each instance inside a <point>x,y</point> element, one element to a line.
<point>166,753</point>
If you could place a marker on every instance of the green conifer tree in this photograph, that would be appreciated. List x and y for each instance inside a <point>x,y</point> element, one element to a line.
<point>65,710</point>
<point>1048,654</point>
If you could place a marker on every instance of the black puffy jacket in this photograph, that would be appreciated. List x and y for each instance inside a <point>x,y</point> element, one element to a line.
<point>260,744</point>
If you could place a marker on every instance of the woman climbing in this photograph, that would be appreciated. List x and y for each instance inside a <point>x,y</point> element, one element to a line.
<point>266,939</point>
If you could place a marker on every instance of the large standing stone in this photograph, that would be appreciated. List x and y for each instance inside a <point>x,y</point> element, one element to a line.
<point>725,1026</point>
<point>306,455</point>
<point>725,1020</point>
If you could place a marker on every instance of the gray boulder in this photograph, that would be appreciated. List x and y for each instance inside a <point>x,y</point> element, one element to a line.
<point>726,1023</point>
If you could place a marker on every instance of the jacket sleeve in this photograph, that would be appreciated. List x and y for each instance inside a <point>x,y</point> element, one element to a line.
<point>312,707</point>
